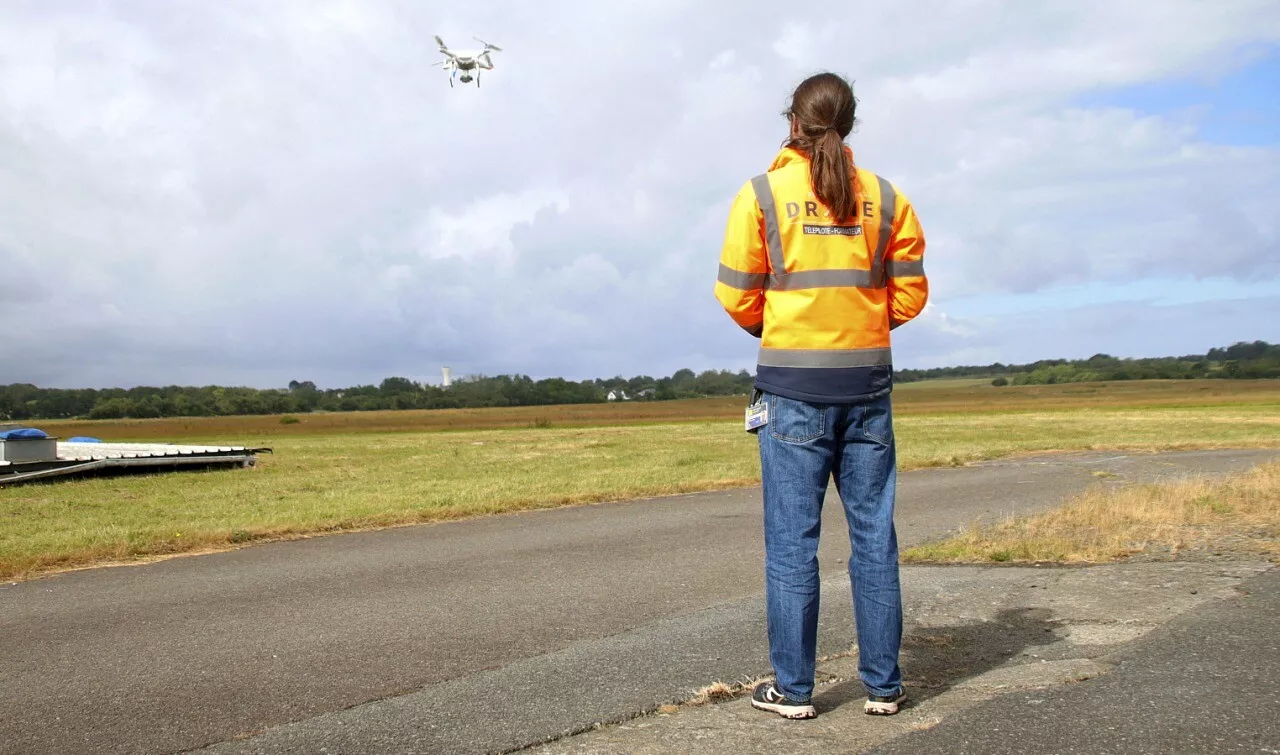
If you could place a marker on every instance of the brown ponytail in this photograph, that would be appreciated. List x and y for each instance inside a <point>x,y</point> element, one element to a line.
<point>822,115</point>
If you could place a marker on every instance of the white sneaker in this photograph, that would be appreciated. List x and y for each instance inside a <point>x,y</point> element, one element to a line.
<point>884,706</point>
<point>767,697</point>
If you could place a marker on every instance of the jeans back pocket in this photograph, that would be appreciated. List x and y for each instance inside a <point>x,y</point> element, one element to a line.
<point>792,421</point>
<point>875,421</point>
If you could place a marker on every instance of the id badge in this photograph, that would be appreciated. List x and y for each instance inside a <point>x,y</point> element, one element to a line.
<point>757,416</point>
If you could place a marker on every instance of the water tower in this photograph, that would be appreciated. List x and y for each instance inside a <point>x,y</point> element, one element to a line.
<point>445,374</point>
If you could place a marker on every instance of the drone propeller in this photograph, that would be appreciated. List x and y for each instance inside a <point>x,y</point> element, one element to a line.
<point>487,44</point>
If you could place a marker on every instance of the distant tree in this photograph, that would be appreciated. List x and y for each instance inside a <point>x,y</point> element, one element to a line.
<point>112,408</point>
<point>394,385</point>
<point>20,402</point>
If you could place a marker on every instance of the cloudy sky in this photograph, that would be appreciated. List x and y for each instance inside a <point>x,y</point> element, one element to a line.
<point>247,193</point>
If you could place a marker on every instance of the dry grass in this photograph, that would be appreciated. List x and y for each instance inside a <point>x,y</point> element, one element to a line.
<point>933,397</point>
<point>719,692</point>
<point>971,395</point>
<point>1238,515</point>
<point>409,420</point>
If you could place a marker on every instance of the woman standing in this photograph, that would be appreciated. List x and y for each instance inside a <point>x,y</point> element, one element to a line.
<point>821,259</point>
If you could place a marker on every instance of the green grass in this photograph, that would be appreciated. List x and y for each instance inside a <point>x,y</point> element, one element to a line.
<point>340,482</point>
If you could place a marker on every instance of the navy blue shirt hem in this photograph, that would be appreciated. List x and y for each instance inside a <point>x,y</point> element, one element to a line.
<point>826,385</point>
<point>815,398</point>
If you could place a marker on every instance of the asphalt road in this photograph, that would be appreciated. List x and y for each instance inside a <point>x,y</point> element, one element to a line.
<point>1203,683</point>
<point>486,634</point>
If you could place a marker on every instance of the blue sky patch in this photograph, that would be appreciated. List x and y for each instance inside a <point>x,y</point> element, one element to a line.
<point>1239,108</point>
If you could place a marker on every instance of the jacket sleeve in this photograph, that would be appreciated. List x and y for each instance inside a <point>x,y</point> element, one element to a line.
<point>744,263</point>
<point>908,286</point>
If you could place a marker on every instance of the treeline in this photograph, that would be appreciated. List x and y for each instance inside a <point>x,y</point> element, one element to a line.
<point>22,401</point>
<point>1257,359</point>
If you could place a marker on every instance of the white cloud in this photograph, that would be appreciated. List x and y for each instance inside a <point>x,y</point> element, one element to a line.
<point>795,43</point>
<point>481,228</point>
<point>253,193</point>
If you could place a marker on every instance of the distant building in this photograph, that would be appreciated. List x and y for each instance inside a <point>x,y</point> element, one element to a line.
<point>617,395</point>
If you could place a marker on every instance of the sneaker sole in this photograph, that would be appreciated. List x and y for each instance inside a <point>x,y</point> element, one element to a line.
<point>883,709</point>
<point>793,712</point>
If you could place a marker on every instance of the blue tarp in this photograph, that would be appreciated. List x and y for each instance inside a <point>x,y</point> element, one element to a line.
<point>22,432</point>
<point>81,439</point>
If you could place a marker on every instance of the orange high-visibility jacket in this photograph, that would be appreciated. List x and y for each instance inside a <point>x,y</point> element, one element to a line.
<point>821,296</point>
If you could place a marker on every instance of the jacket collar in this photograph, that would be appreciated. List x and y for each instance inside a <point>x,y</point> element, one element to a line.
<point>790,155</point>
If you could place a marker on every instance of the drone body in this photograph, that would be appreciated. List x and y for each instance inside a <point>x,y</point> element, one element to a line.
<point>467,62</point>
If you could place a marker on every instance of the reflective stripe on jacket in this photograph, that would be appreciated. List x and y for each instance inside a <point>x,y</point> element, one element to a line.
<point>821,296</point>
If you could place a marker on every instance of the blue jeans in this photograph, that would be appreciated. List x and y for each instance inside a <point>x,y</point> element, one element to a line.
<point>801,448</point>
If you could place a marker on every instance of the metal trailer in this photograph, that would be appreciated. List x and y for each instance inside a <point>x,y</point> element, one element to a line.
<point>78,458</point>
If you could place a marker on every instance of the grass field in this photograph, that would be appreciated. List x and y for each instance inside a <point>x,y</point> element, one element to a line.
<point>342,472</point>
<point>927,397</point>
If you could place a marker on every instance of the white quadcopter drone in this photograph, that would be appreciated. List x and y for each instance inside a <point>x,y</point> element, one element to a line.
<point>467,61</point>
